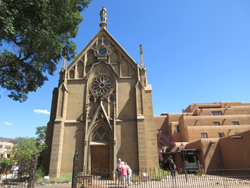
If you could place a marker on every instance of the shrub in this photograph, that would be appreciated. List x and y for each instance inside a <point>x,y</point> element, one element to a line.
<point>64,178</point>
<point>159,174</point>
<point>40,173</point>
<point>135,178</point>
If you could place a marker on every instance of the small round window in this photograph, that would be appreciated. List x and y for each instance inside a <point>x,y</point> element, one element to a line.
<point>102,51</point>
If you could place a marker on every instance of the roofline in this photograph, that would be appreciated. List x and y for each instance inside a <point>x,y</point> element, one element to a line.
<point>90,42</point>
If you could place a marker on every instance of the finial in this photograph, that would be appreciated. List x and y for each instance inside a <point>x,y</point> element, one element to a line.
<point>141,53</point>
<point>104,18</point>
<point>63,64</point>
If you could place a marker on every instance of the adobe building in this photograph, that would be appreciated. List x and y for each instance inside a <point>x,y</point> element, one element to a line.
<point>5,147</point>
<point>214,133</point>
<point>205,120</point>
<point>103,109</point>
<point>230,152</point>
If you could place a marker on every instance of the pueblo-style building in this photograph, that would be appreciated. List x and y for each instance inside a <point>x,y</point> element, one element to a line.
<point>215,134</point>
<point>5,147</point>
<point>205,120</point>
<point>102,108</point>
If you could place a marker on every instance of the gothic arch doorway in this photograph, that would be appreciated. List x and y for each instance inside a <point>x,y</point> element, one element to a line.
<point>100,150</point>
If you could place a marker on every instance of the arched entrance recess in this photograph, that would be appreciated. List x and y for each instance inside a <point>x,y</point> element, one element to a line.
<point>101,148</point>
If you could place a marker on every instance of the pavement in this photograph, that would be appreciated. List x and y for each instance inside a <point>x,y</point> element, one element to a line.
<point>64,185</point>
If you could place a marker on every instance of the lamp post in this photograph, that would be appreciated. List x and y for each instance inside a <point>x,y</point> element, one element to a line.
<point>184,163</point>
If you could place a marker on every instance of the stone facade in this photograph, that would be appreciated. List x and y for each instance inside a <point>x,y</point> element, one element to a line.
<point>103,109</point>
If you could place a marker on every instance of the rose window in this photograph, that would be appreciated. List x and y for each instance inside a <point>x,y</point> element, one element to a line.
<point>101,85</point>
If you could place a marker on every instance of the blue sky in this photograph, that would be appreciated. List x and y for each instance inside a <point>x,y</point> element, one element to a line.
<point>195,51</point>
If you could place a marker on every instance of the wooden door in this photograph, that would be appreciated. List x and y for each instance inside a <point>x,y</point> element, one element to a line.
<point>100,159</point>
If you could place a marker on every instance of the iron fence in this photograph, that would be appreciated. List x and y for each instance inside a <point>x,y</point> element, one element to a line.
<point>20,176</point>
<point>157,178</point>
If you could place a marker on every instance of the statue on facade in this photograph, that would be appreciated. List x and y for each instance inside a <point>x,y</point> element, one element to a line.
<point>103,14</point>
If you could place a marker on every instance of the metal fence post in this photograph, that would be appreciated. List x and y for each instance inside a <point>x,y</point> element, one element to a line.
<point>75,169</point>
<point>32,174</point>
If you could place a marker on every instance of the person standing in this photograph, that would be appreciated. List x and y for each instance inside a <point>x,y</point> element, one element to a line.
<point>15,170</point>
<point>118,169</point>
<point>124,170</point>
<point>20,171</point>
<point>172,167</point>
<point>129,173</point>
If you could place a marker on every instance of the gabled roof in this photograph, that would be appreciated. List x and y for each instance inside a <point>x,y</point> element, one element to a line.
<point>106,33</point>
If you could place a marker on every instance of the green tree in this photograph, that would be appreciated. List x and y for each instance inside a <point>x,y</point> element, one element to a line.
<point>24,148</point>
<point>41,132</point>
<point>35,35</point>
<point>41,136</point>
<point>5,165</point>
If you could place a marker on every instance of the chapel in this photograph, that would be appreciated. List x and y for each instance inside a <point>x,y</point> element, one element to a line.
<point>102,108</point>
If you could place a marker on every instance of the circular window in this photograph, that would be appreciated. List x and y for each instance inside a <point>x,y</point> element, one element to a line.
<point>102,51</point>
<point>101,85</point>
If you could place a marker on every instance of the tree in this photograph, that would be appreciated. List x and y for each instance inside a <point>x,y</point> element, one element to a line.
<point>165,144</point>
<point>36,34</point>
<point>5,165</point>
<point>41,132</point>
<point>24,148</point>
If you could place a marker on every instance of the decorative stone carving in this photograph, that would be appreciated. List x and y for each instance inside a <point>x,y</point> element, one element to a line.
<point>102,50</point>
<point>101,86</point>
<point>132,71</point>
<point>102,70</point>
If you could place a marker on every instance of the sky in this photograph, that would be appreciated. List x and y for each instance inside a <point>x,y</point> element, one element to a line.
<point>195,51</point>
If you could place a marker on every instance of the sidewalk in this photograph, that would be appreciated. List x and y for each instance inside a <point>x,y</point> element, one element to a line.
<point>64,185</point>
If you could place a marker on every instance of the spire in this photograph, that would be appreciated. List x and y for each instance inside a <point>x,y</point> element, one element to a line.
<point>141,54</point>
<point>63,64</point>
<point>104,18</point>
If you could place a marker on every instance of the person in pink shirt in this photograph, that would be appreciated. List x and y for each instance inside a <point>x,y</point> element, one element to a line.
<point>124,170</point>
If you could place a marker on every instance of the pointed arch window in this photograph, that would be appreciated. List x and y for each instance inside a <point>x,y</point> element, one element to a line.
<point>111,98</point>
<point>101,135</point>
<point>72,74</point>
<point>91,98</point>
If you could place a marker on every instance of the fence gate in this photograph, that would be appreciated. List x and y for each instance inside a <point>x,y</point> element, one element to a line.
<point>20,175</point>
<point>79,179</point>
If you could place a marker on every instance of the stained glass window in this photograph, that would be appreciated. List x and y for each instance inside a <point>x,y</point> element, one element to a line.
<point>101,135</point>
<point>101,85</point>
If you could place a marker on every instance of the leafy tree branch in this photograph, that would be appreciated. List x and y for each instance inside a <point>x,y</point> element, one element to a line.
<point>40,32</point>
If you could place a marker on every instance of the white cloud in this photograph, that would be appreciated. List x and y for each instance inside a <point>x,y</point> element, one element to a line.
<point>7,123</point>
<point>37,111</point>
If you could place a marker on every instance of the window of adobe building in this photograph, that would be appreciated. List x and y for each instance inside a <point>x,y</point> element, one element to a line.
<point>203,135</point>
<point>159,131</point>
<point>217,113</point>
<point>7,147</point>
<point>221,135</point>
<point>177,129</point>
<point>216,123</point>
<point>235,123</point>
